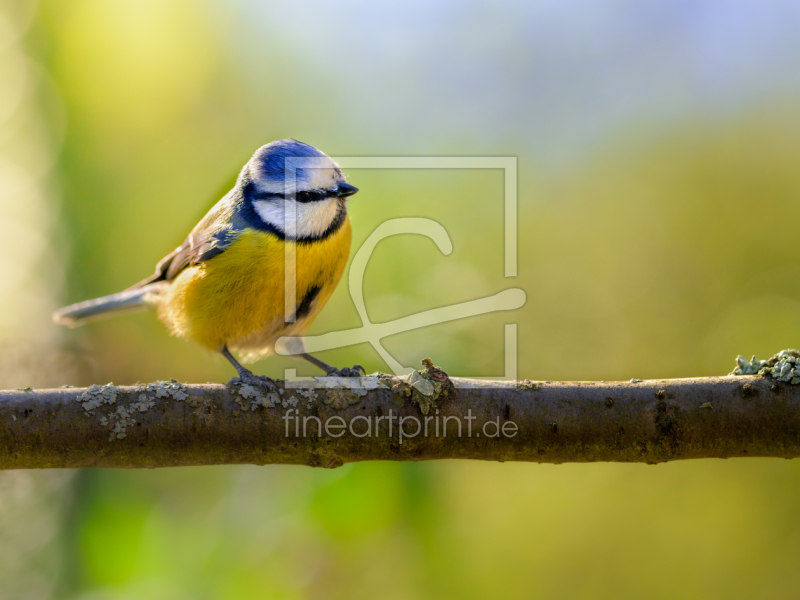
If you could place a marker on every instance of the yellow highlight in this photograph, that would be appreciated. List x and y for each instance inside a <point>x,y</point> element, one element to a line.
<point>135,66</point>
<point>237,299</point>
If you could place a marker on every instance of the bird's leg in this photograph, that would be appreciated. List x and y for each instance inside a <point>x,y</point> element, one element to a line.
<point>331,371</point>
<point>247,377</point>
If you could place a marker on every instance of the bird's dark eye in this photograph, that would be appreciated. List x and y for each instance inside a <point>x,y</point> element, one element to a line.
<point>310,196</point>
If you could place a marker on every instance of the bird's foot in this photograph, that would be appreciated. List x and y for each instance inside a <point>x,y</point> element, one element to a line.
<point>260,382</point>
<point>354,371</point>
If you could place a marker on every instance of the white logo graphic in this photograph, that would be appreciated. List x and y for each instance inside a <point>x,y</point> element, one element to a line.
<point>508,299</point>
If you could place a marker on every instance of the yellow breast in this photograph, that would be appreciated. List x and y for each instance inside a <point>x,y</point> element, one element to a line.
<point>237,298</point>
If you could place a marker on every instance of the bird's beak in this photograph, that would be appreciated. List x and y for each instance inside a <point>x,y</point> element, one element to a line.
<point>345,189</point>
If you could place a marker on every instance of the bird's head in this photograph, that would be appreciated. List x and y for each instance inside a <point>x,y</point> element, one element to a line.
<point>287,178</point>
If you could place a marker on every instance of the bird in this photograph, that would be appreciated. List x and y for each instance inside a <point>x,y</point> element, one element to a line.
<point>224,286</point>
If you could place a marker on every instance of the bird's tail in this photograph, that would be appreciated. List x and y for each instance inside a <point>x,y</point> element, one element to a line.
<point>127,301</point>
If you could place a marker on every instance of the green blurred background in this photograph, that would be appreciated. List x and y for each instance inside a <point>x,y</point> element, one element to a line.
<point>659,200</point>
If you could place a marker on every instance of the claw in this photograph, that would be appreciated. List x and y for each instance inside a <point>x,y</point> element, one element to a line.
<point>354,371</point>
<point>246,376</point>
<point>262,382</point>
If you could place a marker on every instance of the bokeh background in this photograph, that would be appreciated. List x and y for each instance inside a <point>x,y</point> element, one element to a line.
<point>659,202</point>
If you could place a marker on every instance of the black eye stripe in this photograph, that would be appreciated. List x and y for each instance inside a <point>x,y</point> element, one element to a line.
<point>313,196</point>
<point>302,197</point>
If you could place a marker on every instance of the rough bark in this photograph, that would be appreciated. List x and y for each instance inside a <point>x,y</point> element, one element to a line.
<point>651,421</point>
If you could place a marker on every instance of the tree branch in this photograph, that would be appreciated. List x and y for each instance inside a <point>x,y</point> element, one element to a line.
<point>169,424</point>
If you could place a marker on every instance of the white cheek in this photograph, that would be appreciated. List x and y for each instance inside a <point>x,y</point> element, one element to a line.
<point>298,219</point>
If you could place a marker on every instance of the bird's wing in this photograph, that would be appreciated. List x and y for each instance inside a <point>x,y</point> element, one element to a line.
<point>210,237</point>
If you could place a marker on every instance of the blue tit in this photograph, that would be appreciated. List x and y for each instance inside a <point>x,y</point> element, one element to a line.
<point>224,286</point>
